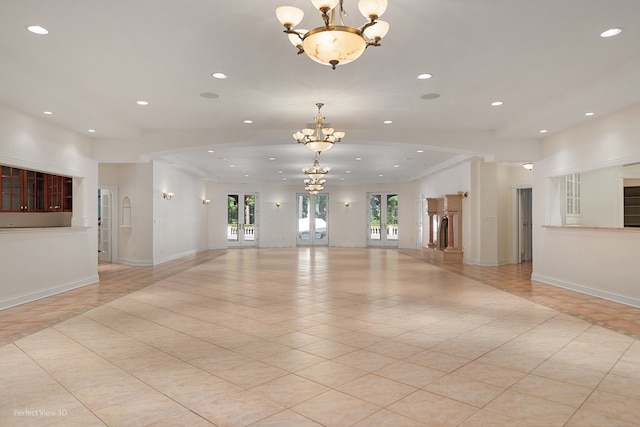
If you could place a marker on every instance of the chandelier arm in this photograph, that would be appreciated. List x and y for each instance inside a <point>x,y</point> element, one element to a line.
<point>367,25</point>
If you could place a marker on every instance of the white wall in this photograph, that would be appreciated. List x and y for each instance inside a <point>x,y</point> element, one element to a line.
<point>278,225</point>
<point>180,225</point>
<point>65,257</point>
<point>597,261</point>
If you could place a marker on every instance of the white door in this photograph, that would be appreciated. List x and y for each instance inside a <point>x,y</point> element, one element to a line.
<point>313,219</point>
<point>382,219</point>
<point>104,224</point>
<point>242,219</point>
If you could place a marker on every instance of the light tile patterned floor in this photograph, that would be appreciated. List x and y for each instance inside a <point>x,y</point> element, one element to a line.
<point>319,336</point>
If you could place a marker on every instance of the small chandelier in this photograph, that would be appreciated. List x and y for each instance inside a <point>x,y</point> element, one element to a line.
<point>321,138</point>
<point>314,186</point>
<point>316,172</point>
<point>334,43</point>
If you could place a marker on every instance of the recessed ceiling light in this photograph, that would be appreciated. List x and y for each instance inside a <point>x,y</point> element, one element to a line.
<point>543,131</point>
<point>424,76</point>
<point>396,166</point>
<point>388,122</point>
<point>210,151</point>
<point>232,166</point>
<point>48,113</point>
<point>279,171</point>
<point>611,32</point>
<point>210,95</point>
<point>219,75</point>
<point>589,114</point>
<point>246,174</point>
<point>419,151</point>
<point>272,158</point>
<point>91,130</point>
<point>497,103</point>
<point>284,179</point>
<point>430,96</point>
<point>358,158</point>
<point>347,171</point>
<point>380,175</point>
<point>248,122</point>
<point>142,102</point>
<point>37,29</point>
<point>341,179</point>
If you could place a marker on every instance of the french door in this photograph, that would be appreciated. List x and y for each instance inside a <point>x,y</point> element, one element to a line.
<point>242,219</point>
<point>382,219</point>
<point>313,219</point>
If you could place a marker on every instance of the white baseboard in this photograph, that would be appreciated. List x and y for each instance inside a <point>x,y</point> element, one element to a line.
<point>43,293</point>
<point>622,299</point>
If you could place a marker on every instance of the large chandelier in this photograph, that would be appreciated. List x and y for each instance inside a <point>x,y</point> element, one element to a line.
<point>334,43</point>
<point>321,138</point>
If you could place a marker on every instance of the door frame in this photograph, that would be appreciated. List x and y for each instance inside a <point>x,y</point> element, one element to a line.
<point>383,242</point>
<point>115,222</point>
<point>519,245</point>
<point>242,242</point>
<point>312,236</point>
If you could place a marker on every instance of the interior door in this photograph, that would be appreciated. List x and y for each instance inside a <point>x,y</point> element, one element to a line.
<point>525,232</point>
<point>382,219</point>
<point>242,219</point>
<point>104,224</point>
<point>313,219</point>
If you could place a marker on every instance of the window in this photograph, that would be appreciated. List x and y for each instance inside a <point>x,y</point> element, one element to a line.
<point>572,185</point>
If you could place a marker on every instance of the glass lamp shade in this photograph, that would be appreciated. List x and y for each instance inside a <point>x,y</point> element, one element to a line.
<point>289,16</point>
<point>313,192</point>
<point>319,146</point>
<point>339,135</point>
<point>377,31</point>
<point>326,4</point>
<point>295,39</point>
<point>298,136</point>
<point>316,176</point>
<point>372,9</point>
<point>307,132</point>
<point>334,45</point>
<point>327,131</point>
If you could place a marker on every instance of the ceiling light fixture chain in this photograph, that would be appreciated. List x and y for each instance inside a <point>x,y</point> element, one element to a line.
<point>335,43</point>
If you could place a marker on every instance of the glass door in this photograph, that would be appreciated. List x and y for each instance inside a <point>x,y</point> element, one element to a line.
<point>242,219</point>
<point>104,224</point>
<point>313,218</point>
<point>382,219</point>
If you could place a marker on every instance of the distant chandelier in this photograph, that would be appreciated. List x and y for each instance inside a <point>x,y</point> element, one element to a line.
<point>316,172</point>
<point>334,43</point>
<point>314,186</point>
<point>321,138</point>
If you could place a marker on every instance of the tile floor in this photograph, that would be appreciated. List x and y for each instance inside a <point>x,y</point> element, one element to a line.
<point>319,337</point>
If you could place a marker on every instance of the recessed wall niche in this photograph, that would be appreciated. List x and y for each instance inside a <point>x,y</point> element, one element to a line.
<point>126,212</point>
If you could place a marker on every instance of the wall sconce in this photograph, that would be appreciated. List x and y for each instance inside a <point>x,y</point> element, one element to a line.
<point>346,204</point>
<point>206,201</point>
<point>167,196</point>
<point>528,166</point>
<point>463,194</point>
<point>277,204</point>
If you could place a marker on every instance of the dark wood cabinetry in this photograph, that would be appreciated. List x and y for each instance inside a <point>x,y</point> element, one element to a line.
<point>24,190</point>
<point>632,206</point>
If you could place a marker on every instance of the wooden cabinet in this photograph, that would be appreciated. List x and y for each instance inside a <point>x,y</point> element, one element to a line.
<point>24,190</point>
<point>632,206</point>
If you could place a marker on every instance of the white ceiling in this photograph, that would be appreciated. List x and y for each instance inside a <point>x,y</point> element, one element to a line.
<point>543,58</point>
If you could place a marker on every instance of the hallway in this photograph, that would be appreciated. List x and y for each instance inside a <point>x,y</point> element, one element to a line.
<point>324,336</point>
